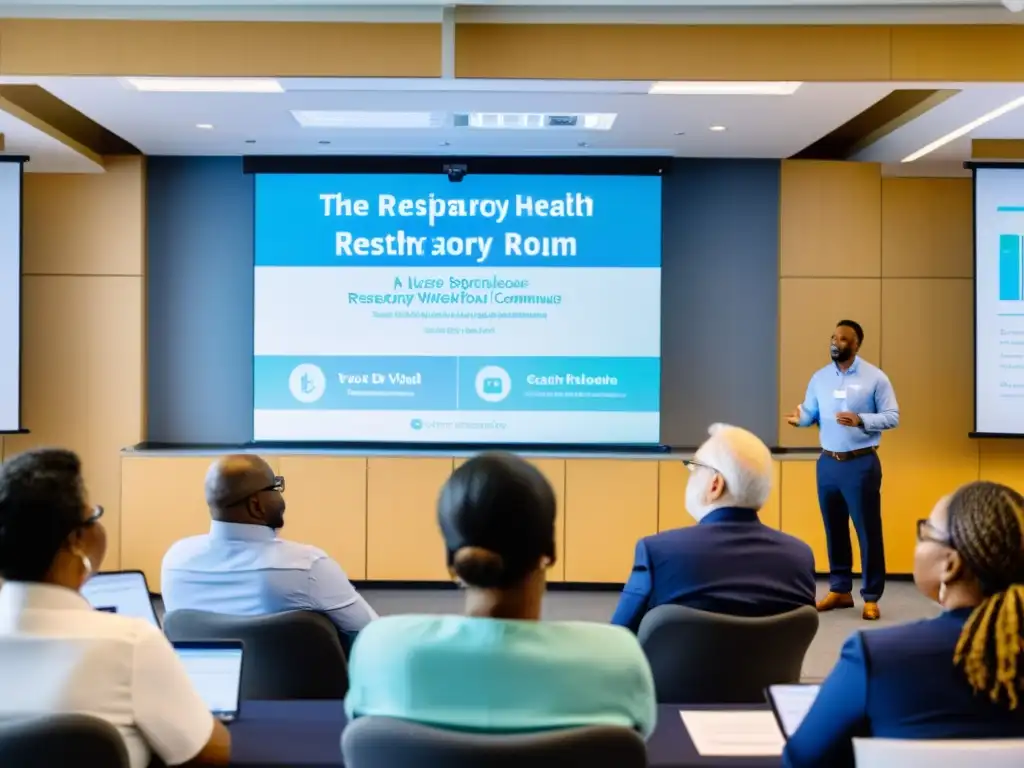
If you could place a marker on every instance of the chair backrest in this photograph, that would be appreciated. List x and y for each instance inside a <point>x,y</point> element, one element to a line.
<point>708,658</point>
<point>293,655</point>
<point>383,742</point>
<point>939,753</point>
<point>65,739</point>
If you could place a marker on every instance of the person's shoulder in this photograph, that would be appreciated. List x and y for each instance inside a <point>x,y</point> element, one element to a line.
<point>184,548</point>
<point>674,538</point>
<point>297,554</point>
<point>797,546</point>
<point>872,369</point>
<point>606,640</point>
<point>113,627</point>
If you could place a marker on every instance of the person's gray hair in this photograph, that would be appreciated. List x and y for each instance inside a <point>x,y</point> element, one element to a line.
<point>743,460</point>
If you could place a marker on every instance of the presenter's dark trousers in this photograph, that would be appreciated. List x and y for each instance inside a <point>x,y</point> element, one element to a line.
<point>850,489</point>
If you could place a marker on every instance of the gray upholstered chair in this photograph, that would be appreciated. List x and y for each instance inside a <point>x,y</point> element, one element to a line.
<point>382,742</point>
<point>293,655</point>
<point>708,658</point>
<point>65,739</point>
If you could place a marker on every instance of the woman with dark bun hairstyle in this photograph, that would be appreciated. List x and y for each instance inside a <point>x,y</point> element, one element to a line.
<point>957,676</point>
<point>498,667</point>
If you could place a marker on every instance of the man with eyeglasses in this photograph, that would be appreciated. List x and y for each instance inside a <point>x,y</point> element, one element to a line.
<point>729,562</point>
<point>241,567</point>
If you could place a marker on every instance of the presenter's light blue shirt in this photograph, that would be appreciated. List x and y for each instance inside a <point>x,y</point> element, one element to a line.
<point>862,389</point>
<point>246,570</point>
<point>495,675</point>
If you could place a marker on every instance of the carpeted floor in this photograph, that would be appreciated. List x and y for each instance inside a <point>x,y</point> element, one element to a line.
<point>901,603</point>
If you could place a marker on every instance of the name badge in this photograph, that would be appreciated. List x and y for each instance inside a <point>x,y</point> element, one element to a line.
<point>840,394</point>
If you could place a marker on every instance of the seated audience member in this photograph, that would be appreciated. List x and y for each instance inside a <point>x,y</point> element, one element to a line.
<point>58,655</point>
<point>957,676</point>
<point>498,668</point>
<point>242,568</point>
<point>730,562</point>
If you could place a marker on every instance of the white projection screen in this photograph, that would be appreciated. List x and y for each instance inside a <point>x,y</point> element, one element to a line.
<point>11,169</point>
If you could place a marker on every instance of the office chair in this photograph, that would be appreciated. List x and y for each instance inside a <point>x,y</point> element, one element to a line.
<point>938,753</point>
<point>708,658</point>
<point>64,739</point>
<point>293,655</point>
<point>383,742</point>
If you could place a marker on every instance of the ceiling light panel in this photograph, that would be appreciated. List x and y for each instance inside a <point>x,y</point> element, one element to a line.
<point>367,120</point>
<point>536,121</point>
<point>723,88</point>
<point>202,85</point>
<point>963,130</point>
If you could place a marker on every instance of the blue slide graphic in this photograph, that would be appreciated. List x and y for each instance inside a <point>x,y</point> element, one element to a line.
<point>502,309</point>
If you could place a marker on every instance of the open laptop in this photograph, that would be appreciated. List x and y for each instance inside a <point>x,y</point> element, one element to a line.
<point>122,592</point>
<point>215,669</point>
<point>790,704</point>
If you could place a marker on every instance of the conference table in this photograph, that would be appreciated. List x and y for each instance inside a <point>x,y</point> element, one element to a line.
<point>308,733</point>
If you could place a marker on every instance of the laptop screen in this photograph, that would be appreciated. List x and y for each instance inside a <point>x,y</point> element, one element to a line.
<point>125,593</point>
<point>215,669</point>
<point>790,703</point>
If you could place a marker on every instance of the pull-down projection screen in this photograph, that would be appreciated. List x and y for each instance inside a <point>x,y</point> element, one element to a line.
<point>10,293</point>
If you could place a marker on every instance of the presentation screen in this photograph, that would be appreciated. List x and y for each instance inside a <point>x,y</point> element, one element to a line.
<point>10,294</point>
<point>499,309</point>
<point>999,300</point>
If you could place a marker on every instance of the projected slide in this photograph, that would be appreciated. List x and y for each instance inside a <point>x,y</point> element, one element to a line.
<point>10,294</point>
<point>501,309</point>
<point>999,300</point>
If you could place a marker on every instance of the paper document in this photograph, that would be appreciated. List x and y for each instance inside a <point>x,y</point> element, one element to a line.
<point>791,704</point>
<point>735,733</point>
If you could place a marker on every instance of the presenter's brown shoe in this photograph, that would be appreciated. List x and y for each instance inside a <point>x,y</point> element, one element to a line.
<point>834,600</point>
<point>871,612</point>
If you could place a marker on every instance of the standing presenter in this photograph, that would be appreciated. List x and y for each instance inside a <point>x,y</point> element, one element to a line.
<point>852,402</point>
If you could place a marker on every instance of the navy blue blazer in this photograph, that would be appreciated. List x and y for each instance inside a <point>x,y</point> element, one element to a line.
<point>728,563</point>
<point>897,683</point>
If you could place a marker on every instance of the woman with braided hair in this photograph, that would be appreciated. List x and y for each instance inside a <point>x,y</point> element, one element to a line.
<point>957,676</point>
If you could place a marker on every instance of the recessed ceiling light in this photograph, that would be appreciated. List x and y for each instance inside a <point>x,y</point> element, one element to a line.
<point>963,130</point>
<point>535,121</point>
<point>716,128</point>
<point>202,85</point>
<point>367,120</point>
<point>204,126</point>
<point>724,88</point>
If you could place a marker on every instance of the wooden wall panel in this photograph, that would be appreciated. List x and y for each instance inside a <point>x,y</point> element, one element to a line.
<point>930,453</point>
<point>609,504</point>
<point>964,53</point>
<point>82,383</point>
<point>672,52</point>
<point>403,542</point>
<point>672,479</point>
<point>830,219</point>
<point>1002,461</point>
<point>801,514</point>
<point>218,48</point>
<point>86,223</point>
<point>326,498</point>
<point>808,312</point>
<point>927,228</point>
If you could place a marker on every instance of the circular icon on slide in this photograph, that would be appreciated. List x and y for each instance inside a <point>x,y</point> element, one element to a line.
<point>493,384</point>
<point>307,383</point>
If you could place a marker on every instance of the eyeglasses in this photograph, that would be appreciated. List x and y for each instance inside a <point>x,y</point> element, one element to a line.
<point>693,465</point>
<point>96,514</point>
<point>277,485</point>
<point>928,532</point>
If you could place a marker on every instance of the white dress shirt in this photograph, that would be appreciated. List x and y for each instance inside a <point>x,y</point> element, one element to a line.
<point>58,655</point>
<point>246,570</point>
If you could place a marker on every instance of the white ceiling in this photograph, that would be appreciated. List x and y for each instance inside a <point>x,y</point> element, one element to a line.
<point>46,154</point>
<point>757,126</point>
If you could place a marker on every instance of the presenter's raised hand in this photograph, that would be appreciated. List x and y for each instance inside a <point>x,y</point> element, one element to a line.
<point>793,419</point>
